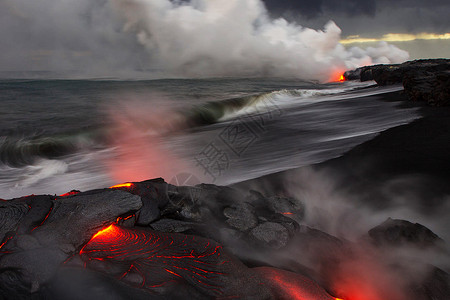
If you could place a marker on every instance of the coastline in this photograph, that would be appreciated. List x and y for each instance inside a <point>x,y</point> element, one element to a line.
<point>374,216</point>
<point>409,161</point>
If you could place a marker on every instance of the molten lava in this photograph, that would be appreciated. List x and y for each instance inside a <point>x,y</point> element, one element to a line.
<point>108,232</point>
<point>4,243</point>
<point>337,76</point>
<point>151,259</point>
<point>69,193</point>
<point>128,184</point>
<point>168,262</point>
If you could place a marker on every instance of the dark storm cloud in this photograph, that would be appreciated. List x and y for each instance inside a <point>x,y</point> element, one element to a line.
<point>64,35</point>
<point>350,7</point>
<point>314,8</point>
<point>367,17</point>
<point>91,35</point>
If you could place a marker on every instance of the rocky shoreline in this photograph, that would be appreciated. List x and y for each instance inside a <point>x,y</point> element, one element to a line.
<point>151,239</point>
<point>424,80</point>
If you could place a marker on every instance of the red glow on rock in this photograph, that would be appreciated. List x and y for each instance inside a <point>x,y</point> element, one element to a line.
<point>128,184</point>
<point>4,243</point>
<point>366,278</point>
<point>119,219</point>
<point>173,257</point>
<point>342,78</point>
<point>106,233</point>
<point>293,286</point>
<point>71,193</point>
<point>287,213</point>
<point>45,219</point>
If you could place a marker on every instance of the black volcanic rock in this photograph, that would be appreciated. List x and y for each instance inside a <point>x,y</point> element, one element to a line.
<point>169,225</point>
<point>424,80</point>
<point>432,88</point>
<point>11,213</point>
<point>154,195</point>
<point>32,255</point>
<point>205,242</point>
<point>436,285</point>
<point>241,217</point>
<point>271,235</point>
<point>399,232</point>
<point>45,237</point>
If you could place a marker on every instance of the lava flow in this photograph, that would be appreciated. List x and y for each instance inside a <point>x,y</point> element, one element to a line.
<point>153,260</point>
<point>122,185</point>
<point>71,193</point>
<point>337,76</point>
<point>165,263</point>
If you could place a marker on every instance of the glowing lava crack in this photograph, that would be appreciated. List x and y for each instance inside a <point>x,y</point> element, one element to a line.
<point>163,262</point>
<point>154,260</point>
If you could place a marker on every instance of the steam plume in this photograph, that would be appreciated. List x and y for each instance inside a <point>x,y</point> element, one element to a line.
<point>238,38</point>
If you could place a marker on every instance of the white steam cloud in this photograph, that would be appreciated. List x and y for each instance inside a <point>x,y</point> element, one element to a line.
<point>164,38</point>
<point>238,38</point>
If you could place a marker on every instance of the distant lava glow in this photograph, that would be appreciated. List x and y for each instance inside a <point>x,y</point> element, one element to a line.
<point>337,76</point>
<point>128,184</point>
<point>71,193</point>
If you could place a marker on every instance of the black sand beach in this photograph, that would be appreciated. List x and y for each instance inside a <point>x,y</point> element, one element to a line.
<point>419,150</point>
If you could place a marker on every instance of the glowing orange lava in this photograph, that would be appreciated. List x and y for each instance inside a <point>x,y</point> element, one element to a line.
<point>128,184</point>
<point>69,194</point>
<point>105,234</point>
<point>337,76</point>
<point>4,243</point>
<point>108,231</point>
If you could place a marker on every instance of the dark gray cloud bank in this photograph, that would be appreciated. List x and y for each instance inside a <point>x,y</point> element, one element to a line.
<point>204,38</point>
<point>368,17</point>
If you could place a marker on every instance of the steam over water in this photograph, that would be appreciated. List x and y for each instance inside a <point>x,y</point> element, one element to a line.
<point>174,38</point>
<point>239,38</point>
<point>58,135</point>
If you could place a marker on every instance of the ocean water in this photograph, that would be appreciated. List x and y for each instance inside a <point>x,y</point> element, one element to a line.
<point>59,135</point>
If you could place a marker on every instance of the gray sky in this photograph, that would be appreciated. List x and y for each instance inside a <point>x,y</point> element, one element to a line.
<point>89,35</point>
<point>368,17</point>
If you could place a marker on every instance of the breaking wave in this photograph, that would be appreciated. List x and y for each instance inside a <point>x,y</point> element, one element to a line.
<point>19,152</point>
<point>217,111</point>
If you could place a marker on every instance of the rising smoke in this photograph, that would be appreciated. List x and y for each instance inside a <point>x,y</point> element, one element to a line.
<point>356,269</point>
<point>197,38</point>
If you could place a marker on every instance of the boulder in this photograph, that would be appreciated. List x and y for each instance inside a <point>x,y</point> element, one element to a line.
<point>271,235</point>
<point>399,232</point>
